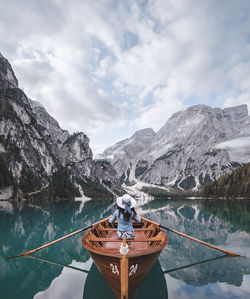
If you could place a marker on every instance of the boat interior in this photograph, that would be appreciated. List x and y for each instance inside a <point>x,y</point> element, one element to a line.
<point>148,236</point>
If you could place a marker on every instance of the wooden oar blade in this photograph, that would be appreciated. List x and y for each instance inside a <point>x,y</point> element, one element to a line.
<point>14,256</point>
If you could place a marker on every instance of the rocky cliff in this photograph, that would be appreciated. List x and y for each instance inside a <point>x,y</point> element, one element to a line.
<point>195,146</point>
<point>124,154</point>
<point>7,76</point>
<point>37,157</point>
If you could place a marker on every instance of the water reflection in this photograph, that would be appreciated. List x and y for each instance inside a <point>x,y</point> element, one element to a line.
<point>194,218</point>
<point>224,224</point>
<point>31,226</point>
<point>153,286</point>
<point>236,212</point>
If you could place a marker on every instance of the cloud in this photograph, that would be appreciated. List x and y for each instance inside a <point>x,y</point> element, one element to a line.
<point>69,284</point>
<point>110,67</point>
<point>242,142</point>
<point>238,149</point>
<point>165,104</point>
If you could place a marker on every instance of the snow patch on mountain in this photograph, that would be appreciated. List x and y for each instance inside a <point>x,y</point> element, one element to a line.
<point>191,149</point>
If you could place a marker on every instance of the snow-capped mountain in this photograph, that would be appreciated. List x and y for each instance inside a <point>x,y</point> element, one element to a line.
<point>36,154</point>
<point>194,147</point>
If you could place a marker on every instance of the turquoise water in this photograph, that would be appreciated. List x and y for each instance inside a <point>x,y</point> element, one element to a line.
<point>185,269</point>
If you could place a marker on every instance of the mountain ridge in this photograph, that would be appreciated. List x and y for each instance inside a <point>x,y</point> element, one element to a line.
<point>36,152</point>
<point>188,151</point>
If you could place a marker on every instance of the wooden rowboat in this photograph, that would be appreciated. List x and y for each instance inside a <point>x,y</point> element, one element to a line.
<point>124,271</point>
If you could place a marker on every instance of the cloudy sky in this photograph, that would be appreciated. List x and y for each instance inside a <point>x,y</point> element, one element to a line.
<point>109,68</point>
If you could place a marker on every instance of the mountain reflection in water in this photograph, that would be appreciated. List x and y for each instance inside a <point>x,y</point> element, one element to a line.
<point>224,224</point>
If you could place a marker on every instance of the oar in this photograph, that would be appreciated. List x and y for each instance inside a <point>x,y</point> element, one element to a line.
<point>55,263</point>
<point>199,241</point>
<point>194,239</point>
<point>57,240</point>
<point>198,263</point>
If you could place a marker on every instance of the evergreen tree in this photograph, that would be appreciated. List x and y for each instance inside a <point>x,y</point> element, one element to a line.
<point>29,181</point>
<point>236,184</point>
<point>62,184</point>
<point>6,178</point>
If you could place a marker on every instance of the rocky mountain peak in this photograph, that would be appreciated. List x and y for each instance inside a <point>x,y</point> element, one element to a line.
<point>187,151</point>
<point>7,76</point>
<point>51,128</point>
<point>144,133</point>
<point>237,110</point>
<point>225,122</point>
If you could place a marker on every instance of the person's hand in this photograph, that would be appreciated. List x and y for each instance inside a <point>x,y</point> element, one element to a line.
<point>111,223</point>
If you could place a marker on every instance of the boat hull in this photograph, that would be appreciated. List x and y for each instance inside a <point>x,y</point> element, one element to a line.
<point>110,268</point>
<point>153,286</point>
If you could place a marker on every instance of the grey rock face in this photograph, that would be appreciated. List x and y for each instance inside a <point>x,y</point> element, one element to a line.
<point>124,154</point>
<point>188,151</point>
<point>7,76</point>
<point>51,129</point>
<point>21,137</point>
<point>71,150</point>
<point>33,147</point>
<point>102,170</point>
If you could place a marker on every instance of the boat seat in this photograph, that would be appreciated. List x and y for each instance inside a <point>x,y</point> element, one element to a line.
<point>96,239</point>
<point>135,229</point>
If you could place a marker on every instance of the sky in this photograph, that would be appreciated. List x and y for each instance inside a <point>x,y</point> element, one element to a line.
<point>109,68</point>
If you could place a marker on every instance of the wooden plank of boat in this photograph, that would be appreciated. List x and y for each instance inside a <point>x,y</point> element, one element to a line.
<point>104,247</point>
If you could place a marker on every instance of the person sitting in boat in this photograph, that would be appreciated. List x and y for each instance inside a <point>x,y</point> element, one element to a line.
<point>125,213</point>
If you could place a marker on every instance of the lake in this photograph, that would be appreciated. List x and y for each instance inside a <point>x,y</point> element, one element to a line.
<point>185,269</point>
